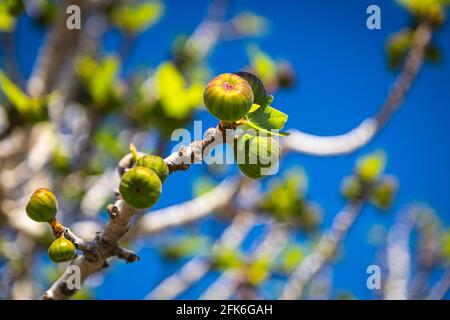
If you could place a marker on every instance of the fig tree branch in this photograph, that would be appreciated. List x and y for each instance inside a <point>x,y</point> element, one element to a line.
<point>398,257</point>
<point>361,135</point>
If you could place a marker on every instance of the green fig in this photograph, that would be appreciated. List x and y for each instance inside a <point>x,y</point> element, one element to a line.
<point>42,205</point>
<point>61,250</point>
<point>259,92</point>
<point>352,188</point>
<point>155,163</point>
<point>256,155</point>
<point>228,97</point>
<point>383,194</point>
<point>140,187</point>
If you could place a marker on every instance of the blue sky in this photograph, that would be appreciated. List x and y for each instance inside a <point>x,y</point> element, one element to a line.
<point>343,78</point>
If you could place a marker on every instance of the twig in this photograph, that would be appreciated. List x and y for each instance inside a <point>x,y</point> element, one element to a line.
<point>398,257</point>
<point>361,135</point>
<point>59,43</point>
<point>106,245</point>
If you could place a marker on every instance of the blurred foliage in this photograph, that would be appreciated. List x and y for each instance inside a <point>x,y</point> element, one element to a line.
<point>290,258</point>
<point>136,18</point>
<point>370,167</point>
<point>224,258</point>
<point>274,74</point>
<point>100,80</point>
<point>203,185</point>
<point>446,246</point>
<point>166,100</point>
<point>285,199</point>
<point>383,193</point>
<point>368,181</point>
<point>186,247</point>
<point>256,271</point>
<point>400,43</point>
<point>108,143</point>
<point>429,10</point>
<point>249,24</point>
<point>177,98</point>
<point>9,10</point>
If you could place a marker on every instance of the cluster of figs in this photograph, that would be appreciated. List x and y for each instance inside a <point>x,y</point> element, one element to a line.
<point>42,207</point>
<point>230,97</point>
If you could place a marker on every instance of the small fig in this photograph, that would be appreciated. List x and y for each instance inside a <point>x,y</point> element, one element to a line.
<point>383,194</point>
<point>42,205</point>
<point>140,187</point>
<point>352,188</point>
<point>155,163</point>
<point>61,250</point>
<point>256,155</point>
<point>259,92</point>
<point>228,97</point>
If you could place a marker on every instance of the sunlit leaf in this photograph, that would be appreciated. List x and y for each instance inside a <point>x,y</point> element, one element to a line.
<point>371,166</point>
<point>432,10</point>
<point>177,98</point>
<point>138,17</point>
<point>14,94</point>
<point>100,78</point>
<point>7,21</point>
<point>225,258</point>
<point>291,257</point>
<point>258,271</point>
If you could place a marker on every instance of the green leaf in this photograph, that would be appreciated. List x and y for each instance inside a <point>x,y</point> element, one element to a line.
<point>14,94</point>
<point>7,21</point>
<point>371,166</point>
<point>267,119</point>
<point>100,78</point>
<point>136,18</point>
<point>254,107</point>
<point>262,64</point>
<point>178,99</point>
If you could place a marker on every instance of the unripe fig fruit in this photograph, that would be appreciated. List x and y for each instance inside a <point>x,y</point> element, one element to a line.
<point>155,163</point>
<point>256,155</point>
<point>383,194</point>
<point>352,188</point>
<point>61,250</point>
<point>42,205</point>
<point>228,97</point>
<point>259,92</point>
<point>140,187</point>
